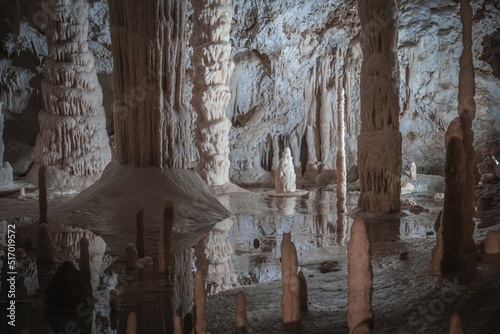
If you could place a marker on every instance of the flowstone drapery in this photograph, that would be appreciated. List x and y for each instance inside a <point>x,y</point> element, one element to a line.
<point>212,70</point>
<point>152,126</point>
<point>72,142</point>
<point>379,141</point>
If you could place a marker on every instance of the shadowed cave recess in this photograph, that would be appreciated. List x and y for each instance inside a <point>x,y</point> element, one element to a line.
<point>237,166</point>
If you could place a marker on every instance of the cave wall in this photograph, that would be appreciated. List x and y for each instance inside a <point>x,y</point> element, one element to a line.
<point>289,58</point>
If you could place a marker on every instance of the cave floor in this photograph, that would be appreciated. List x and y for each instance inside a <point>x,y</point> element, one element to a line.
<point>407,298</point>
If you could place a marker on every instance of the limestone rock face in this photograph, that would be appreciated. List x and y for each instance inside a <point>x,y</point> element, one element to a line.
<point>5,168</point>
<point>379,142</point>
<point>284,181</point>
<point>212,70</point>
<point>73,142</point>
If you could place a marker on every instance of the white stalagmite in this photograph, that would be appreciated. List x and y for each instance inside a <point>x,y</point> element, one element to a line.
<point>152,126</point>
<point>73,142</point>
<point>379,141</point>
<point>213,257</point>
<point>290,301</point>
<point>360,278</point>
<point>212,70</point>
<point>413,171</point>
<point>284,180</point>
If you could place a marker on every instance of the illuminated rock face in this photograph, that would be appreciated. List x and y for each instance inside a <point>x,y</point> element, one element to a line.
<point>212,70</point>
<point>379,141</point>
<point>73,142</point>
<point>5,168</point>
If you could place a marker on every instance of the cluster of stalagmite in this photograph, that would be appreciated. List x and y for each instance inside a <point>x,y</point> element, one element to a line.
<point>152,126</point>
<point>285,179</point>
<point>73,141</point>
<point>212,70</point>
<point>213,257</point>
<point>455,234</point>
<point>360,280</point>
<point>379,141</point>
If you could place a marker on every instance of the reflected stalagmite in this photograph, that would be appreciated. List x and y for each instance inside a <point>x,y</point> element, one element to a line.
<point>360,279</point>
<point>42,195</point>
<point>139,241</point>
<point>200,299</point>
<point>164,245</point>
<point>46,252</point>
<point>379,141</point>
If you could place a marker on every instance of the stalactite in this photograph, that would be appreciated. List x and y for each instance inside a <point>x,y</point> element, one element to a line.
<point>360,279</point>
<point>72,141</point>
<point>379,141</point>
<point>212,70</point>
<point>341,159</point>
<point>152,127</point>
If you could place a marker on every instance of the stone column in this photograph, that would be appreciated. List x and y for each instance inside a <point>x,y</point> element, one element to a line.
<point>212,70</point>
<point>152,126</point>
<point>73,142</point>
<point>379,141</point>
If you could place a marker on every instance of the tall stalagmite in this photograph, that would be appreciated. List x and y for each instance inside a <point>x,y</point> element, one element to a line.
<point>212,70</point>
<point>379,141</point>
<point>467,113</point>
<point>72,142</point>
<point>152,126</point>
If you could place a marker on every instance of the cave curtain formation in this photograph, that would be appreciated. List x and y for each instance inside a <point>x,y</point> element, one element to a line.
<point>379,141</point>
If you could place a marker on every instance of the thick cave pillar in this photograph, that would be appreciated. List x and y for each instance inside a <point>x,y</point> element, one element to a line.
<point>212,70</point>
<point>72,142</point>
<point>379,141</point>
<point>152,126</point>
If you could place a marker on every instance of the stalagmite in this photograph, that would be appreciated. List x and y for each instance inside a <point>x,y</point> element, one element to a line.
<point>212,70</point>
<point>6,179</point>
<point>152,126</point>
<point>241,311</point>
<point>164,245</point>
<point>360,279</point>
<point>467,113</point>
<point>177,324</point>
<point>290,303</point>
<point>213,257</point>
<point>341,159</point>
<point>131,323</point>
<point>448,251</point>
<point>42,195</point>
<point>139,243</point>
<point>73,142</point>
<point>303,294</point>
<point>379,140</point>
<point>113,300</point>
<point>25,330</point>
<point>456,326</point>
<point>284,181</point>
<point>84,262</point>
<point>131,257</point>
<point>46,250</point>
<point>200,297</point>
<point>492,242</point>
<point>413,171</point>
